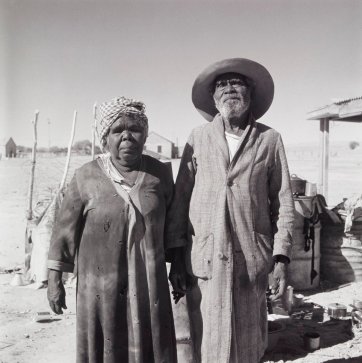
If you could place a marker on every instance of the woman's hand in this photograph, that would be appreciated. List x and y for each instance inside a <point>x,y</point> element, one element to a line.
<point>56,292</point>
<point>178,274</point>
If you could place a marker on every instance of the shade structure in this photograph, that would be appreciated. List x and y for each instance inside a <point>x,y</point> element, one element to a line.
<point>345,110</point>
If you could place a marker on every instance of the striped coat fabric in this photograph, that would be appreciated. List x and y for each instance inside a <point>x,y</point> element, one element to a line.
<point>232,216</point>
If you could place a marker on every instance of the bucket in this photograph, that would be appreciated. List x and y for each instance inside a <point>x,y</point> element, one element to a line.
<point>301,266</point>
<point>342,253</point>
<point>312,341</point>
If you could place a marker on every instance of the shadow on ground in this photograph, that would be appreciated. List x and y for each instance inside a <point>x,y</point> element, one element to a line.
<point>309,319</point>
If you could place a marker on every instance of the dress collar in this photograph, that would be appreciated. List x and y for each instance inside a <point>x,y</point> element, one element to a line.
<point>110,169</point>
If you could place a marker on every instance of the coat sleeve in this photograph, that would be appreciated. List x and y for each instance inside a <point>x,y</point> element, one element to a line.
<point>169,189</point>
<point>281,202</point>
<point>178,216</point>
<point>67,231</point>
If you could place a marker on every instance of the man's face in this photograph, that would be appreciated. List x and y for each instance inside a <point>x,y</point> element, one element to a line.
<point>232,95</point>
<point>126,139</point>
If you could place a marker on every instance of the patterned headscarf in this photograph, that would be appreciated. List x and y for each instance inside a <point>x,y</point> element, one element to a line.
<point>109,112</point>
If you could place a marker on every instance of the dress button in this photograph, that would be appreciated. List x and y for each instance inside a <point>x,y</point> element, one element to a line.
<point>230,183</point>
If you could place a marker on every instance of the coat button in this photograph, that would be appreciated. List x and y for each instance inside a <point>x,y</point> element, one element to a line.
<point>230,183</point>
<point>220,255</point>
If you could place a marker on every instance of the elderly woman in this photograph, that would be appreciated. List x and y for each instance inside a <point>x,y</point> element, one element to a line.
<point>112,218</point>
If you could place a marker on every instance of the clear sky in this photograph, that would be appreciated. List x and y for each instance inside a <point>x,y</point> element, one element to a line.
<point>61,55</point>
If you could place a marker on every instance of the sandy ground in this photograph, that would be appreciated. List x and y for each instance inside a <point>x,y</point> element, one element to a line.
<point>22,339</point>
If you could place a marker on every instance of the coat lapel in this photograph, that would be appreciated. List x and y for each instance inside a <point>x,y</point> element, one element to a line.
<point>247,138</point>
<point>246,151</point>
<point>218,134</point>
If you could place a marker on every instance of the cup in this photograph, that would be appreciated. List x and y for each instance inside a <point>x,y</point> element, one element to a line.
<point>310,189</point>
<point>298,300</point>
<point>312,341</point>
<point>288,299</point>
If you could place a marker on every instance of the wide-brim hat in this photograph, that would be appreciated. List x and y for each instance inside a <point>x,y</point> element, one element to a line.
<point>263,91</point>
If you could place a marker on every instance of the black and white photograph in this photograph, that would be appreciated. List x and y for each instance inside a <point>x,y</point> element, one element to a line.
<point>180,181</point>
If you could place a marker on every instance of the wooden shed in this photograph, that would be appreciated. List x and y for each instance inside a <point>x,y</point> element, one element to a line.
<point>7,148</point>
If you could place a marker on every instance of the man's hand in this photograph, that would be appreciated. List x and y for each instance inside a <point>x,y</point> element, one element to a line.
<point>178,275</point>
<point>56,292</point>
<point>280,280</point>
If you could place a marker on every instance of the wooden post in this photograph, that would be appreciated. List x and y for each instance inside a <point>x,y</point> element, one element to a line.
<point>29,212</point>
<point>94,129</point>
<point>321,156</point>
<point>326,158</point>
<point>62,183</point>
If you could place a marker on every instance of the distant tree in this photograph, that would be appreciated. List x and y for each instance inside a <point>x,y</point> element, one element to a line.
<point>83,146</point>
<point>57,150</point>
<point>54,149</point>
<point>24,149</point>
<point>353,145</point>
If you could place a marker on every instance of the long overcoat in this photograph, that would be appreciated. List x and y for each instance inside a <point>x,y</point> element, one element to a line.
<point>232,216</point>
<point>124,311</point>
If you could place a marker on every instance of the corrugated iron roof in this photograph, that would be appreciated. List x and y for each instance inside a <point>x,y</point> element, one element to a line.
<point>347,100</point>
<point>348,110</point>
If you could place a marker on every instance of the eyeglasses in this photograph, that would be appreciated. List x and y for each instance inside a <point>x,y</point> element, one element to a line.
<point>234,82</point>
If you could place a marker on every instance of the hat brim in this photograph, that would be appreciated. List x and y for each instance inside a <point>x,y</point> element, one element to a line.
<point>263,91</point>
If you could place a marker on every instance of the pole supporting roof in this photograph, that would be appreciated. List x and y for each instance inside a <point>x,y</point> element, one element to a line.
<point>346,110</point>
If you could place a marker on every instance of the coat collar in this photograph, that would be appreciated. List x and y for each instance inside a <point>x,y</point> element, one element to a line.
<point>218,133</point>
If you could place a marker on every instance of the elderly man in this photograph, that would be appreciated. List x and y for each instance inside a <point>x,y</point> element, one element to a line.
<point>233,211</point>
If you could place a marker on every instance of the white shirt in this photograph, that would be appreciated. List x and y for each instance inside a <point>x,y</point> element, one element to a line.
<point>233,143</point>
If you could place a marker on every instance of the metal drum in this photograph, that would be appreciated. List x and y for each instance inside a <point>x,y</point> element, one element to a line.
<point>341,253</point>
<point>305,260</point>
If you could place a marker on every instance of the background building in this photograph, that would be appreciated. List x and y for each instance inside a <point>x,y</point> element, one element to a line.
<point>160,145</point>
<point>7,148</point>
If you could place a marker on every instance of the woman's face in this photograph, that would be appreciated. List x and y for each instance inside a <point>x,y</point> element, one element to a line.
<point>126,139</point>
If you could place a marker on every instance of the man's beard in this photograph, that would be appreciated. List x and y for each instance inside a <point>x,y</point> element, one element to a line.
<point>232,109</point>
